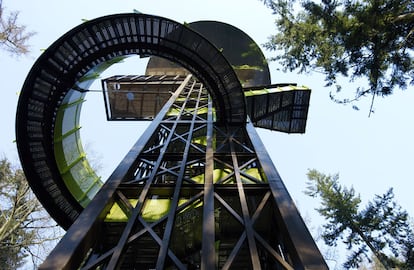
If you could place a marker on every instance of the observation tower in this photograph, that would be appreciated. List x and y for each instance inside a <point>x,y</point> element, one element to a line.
<point>198,189</point>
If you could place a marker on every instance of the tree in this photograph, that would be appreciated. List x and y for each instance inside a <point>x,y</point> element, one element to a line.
<point>381,227</point>
<point>24,225</point>
<point>13,36</point>
<point>372,39</point>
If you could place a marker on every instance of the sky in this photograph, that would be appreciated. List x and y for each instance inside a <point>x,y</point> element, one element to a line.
<point>371,154</point>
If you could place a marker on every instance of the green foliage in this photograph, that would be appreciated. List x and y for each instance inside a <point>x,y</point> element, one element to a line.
<point>14,207</point>
<point>373,39</point>
<point>13,36</point>
<point>23,224</point>
<point>381,227</point>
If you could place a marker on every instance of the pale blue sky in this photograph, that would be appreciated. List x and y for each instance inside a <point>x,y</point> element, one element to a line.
<point>371,154</point>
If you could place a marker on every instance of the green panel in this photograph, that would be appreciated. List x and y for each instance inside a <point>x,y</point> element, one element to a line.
<point>218,174</point>
<point>255,92</point>
<point>153,209</point>
<point>71,152</point>
<point>265,91</point>
<point>68,116</point>
<point>86,179</point>
<point>116,214</point>
<point>202,140</point>
<point>254,173</point>
<point>203,110</point>
<point>173,112</point>
<point>75,170</point>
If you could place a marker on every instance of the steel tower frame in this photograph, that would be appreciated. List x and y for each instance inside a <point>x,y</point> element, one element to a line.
<point>191,194</point>
<point>197,190</point>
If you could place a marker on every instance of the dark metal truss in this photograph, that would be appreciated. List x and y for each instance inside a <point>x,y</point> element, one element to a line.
<point>64,72</point>
<point>190,194</point>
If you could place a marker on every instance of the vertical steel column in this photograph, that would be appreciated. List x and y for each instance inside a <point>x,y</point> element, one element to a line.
<point>208,260</point>
<point>302,247</point>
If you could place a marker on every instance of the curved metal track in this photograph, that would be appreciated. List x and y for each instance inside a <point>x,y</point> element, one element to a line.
<point>47,121</point>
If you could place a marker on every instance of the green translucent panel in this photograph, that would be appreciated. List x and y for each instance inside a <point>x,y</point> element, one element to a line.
<point>256,92</point>
<point>76,172</point>
<point>254,173</point>
<point>86,181</point>
<point>74,97</point>
<point>265,91</point>
<point>173,112</point>
<point>203,110</point>
<point>176,111</point>
<point>202,140</point>
<point>198,179</point>
<point>153,209</point>
<point>116,214</point>
<point>78,176</point>
<point>218,174</point>
<point>70,152</point>
<point>67,121</point>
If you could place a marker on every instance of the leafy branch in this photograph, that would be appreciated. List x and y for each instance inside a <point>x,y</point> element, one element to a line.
<point>13,36</point>
<point>371,39</point>
<point>382,227</point>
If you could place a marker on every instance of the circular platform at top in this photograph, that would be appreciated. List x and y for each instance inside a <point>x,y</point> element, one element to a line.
<point>242,52</point>
<point>47,120</point>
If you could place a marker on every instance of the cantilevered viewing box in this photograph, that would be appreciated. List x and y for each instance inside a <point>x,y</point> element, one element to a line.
<point>279,107</point>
